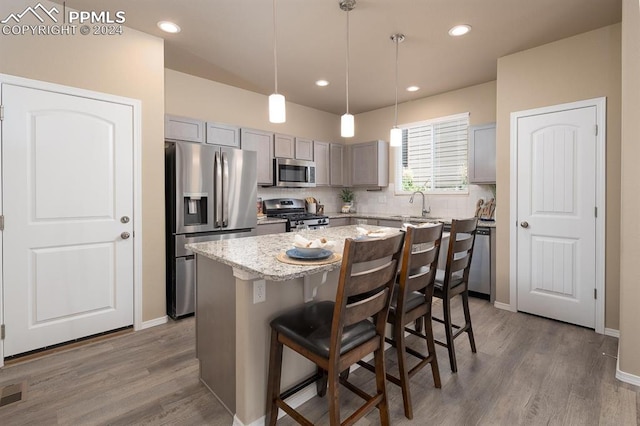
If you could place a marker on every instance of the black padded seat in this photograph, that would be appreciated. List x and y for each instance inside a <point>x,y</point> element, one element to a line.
<point>310,327</point>
<point>414,299</point>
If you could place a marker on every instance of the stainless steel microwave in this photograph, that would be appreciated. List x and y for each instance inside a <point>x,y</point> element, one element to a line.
<point>292,173</point>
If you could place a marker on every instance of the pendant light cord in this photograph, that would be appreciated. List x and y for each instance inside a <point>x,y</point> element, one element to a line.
<point>395,122</point>
<point>275,51</point>
<point>347,85</point>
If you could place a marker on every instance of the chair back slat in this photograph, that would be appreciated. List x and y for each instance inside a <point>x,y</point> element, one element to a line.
<point>419,262</point>
<point>370,279</point>
<point>461,242</point>
<point>367,277</point>
<point>365,308</point>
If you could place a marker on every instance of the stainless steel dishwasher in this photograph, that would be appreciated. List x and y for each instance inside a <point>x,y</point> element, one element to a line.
<point>480,272</point>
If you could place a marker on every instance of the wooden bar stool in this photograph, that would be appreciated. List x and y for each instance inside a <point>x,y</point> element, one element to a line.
<point>453,281</point>
<point>411,302</point>
<point>336,335</point>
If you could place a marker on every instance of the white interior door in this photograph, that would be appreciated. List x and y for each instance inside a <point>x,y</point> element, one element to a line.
<point>556,229</point>
<point>67,200</point>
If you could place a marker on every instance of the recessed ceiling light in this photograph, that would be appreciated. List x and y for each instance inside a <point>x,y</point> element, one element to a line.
<point>168,27</point>
<point>322,83</point>
<point>413,89</point>
<point>459,30</point>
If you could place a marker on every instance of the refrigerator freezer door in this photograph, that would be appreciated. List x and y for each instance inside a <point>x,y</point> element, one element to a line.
<point>240,188</point>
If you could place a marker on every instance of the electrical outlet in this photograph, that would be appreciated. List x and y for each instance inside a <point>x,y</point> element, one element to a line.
<point>259,291</point>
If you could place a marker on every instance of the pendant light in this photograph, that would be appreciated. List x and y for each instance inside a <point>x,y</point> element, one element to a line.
<point>347,127</point>
<point>395,136</point>
<point>277,111</point>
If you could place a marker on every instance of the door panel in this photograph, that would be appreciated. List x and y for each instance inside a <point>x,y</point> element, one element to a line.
<point>557,225</point>
<point>67,181</point>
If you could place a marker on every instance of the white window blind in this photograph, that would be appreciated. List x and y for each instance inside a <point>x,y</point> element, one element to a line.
<point>434,155</point>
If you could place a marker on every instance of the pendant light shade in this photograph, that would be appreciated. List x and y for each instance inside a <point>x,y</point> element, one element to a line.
<point>347,126</point>
<point>395,136</point>
<point>277,110</point>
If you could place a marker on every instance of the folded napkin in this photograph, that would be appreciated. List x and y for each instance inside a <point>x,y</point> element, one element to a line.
<point>302,242</point>
<point>420,225</point>
<point>375,233</point>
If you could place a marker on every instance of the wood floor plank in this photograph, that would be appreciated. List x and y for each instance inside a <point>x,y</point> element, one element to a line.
<point>527,371</point>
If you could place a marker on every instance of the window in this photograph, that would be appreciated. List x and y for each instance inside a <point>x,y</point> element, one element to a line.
<point>434,156</point>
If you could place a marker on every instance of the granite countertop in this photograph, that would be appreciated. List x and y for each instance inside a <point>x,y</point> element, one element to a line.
<point>257,255</point>
<point>412,219</point>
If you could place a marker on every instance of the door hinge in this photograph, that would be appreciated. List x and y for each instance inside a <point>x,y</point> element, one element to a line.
<point>2,332</point>
<point>596,130</point>
<point>595,293</point>
<point>595,211</point>
<point>1,112</point>
<point>2,223</point>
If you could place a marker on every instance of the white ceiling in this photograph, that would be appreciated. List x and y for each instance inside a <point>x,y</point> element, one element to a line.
<point>231,41</point>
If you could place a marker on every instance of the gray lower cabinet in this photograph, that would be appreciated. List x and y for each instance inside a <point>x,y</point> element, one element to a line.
<point>341,221</point>
<point>271,228</point>
<point>390,223</point>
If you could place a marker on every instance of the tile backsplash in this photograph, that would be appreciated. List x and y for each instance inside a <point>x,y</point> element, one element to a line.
<point>386,202</point>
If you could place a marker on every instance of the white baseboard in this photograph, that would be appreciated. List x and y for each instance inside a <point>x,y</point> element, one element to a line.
<point>154,322</point>
<point>612,332</point>
<point>632,379</point>
<point>504,306</point>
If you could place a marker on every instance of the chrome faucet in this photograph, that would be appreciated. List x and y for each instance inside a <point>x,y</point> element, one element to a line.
<point>425,211</point>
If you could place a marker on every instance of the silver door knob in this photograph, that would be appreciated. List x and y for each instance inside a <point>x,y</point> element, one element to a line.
<point>124,219</point>
<point>125,235</point>
<point>524,224</point>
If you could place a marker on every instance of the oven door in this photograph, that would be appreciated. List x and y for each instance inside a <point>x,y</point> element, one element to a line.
<point>294,173</point>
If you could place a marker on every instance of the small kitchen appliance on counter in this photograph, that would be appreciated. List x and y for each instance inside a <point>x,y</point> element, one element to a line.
<point>294,210</point>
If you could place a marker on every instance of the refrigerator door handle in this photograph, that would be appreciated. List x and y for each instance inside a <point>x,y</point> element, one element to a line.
<point>225,190</point>
<point>217,185</point>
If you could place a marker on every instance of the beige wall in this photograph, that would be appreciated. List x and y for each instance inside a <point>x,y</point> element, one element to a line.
<point>196,97</point>
<point>629,346</point>
<point>130,65</point>
<point>479,101</point>
<point>577,68</point>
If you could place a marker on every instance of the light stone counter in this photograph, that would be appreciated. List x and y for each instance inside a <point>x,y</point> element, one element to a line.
<point>412,219</point>
<point>256,256</point>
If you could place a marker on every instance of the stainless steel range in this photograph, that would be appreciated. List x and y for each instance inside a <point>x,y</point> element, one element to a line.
<point>293,209</point>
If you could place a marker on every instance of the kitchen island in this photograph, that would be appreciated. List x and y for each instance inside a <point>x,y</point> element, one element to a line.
<point>232,332</point>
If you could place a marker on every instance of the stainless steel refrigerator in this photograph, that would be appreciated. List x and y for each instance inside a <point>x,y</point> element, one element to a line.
<point>210,194</point>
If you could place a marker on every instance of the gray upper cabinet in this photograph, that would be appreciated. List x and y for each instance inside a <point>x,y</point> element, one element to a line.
<point>304,149</point>
<point>322,160</point>
<point>183,129</point>
<point>482,153</point>
<point>370,164</point>
<point>223,134</point>
<point>284,146</point>
<point>336,154</point>
<point>261,142</point>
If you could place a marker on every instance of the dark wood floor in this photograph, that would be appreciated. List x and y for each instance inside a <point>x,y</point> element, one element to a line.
<point>527,371</point>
